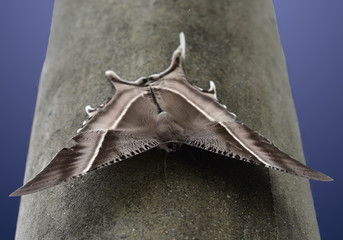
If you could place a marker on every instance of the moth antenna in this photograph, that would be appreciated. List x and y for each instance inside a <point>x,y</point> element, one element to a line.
<point>183,45</point>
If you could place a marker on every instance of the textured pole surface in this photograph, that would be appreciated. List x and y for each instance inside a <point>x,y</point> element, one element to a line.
<point>235,44</point>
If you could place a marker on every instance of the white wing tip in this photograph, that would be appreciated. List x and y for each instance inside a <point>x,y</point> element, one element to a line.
<point>212,87</point>
<point>111,74</point>
<point>183,45</point>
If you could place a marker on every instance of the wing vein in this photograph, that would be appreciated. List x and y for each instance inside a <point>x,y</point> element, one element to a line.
<point>96,152</point>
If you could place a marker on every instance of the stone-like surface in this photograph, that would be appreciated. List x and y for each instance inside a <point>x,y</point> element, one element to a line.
<point>234,43</point>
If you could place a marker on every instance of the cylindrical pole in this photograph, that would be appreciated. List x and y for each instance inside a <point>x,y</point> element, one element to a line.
<point>234,43</point>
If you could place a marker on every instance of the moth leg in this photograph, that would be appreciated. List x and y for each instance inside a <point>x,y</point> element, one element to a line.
<point>165,168</point>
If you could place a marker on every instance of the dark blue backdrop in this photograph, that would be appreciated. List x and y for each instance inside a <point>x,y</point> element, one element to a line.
<point>311,34</point>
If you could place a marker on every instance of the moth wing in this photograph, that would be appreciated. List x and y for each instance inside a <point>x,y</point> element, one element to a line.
<point>236,140</point>
<point>93,150</point>
<point>122,128</point>
<point>132,107</point>
<point>208,125</point>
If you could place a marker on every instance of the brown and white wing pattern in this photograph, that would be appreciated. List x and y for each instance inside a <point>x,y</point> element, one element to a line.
<point>94,149</point>
<point>124,127</point>
<point>237,141</point>
<point>208,125</point>
<point>155,111</point>
<point>130,108</point>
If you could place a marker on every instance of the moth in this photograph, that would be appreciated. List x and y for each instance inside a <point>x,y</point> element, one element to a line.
<point>163,110</point>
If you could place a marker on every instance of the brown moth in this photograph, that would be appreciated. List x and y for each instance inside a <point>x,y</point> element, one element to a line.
<point>164,110</point>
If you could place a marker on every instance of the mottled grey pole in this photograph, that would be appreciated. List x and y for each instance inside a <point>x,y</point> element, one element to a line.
<point>234,43</point>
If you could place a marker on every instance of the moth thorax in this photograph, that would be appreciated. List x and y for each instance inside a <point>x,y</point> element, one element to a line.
<point>167,129</point>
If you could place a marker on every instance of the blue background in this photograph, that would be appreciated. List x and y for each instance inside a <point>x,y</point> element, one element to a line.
<point>311,33</point>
